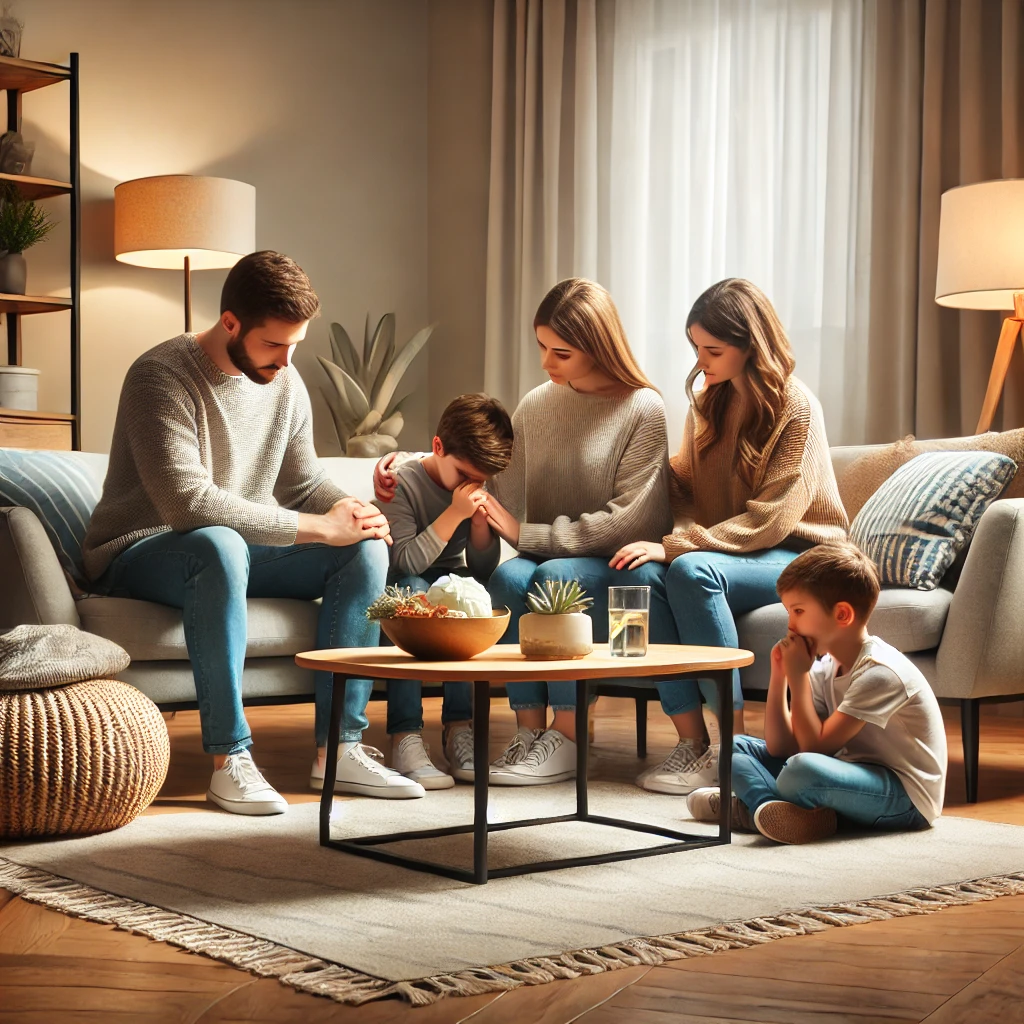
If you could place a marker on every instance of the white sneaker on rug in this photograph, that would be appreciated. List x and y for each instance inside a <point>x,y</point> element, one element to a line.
<point>239,787</point>
<point>412,759</point>
<point>458,749</point>
<point>514,753</point>
<point>704,804</point>
<point>361,771</point>
<point>687,768</point>
<point>551,758</point>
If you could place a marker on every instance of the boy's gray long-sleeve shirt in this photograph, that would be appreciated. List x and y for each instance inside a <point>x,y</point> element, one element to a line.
<point>417,503</point>
<point>195,447</point>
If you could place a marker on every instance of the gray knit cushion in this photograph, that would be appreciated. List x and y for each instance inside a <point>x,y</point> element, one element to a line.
<point>34,657</point>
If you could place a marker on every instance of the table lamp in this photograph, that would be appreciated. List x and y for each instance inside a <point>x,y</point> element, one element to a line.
<point>981,266</point>
<point>177,221</point>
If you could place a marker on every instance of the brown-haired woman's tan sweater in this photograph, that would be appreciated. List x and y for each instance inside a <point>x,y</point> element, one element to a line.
<point>794,500</point>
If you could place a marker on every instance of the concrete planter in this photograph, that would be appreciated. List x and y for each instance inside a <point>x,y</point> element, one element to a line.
<point>19,388</point>
<point>555,637</point>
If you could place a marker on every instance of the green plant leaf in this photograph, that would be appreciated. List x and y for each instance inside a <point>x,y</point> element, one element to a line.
<point>337,415</point>
<point>345,354</point>
<point>348,388</point>
<point>382,351</point>
<point>402,362</point>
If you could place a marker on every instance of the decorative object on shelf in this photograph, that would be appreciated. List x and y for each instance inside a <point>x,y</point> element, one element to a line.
<point>11,28</point>
<point>19,388</point>
<point>435,632</point>
<point>23,223</point>
<point>15,153</point>
<point>184,221</point>
<point>364,400</point>
<point>557,625</point>
<point>981,266</point>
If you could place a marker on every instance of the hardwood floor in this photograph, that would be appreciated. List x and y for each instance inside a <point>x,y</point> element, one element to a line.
<point>962,965</point>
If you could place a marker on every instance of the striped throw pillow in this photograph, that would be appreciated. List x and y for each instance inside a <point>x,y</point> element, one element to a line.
<point>62,489</point>
<point>913,526</point>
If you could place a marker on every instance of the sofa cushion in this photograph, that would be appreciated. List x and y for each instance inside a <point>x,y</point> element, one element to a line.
<point>154,632</point>
<point>914,525</point>
<point>62,489</point>
<point>910,620</point>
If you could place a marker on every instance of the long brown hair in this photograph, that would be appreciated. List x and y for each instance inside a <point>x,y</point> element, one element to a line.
<point>583,315</point>
<point>738,313</point>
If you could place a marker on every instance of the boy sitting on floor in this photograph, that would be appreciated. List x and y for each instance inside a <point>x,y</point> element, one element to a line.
<point>862,737</point>
<point>439,528</point>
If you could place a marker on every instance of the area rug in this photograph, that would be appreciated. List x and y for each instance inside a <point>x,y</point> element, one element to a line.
<point>261,894</point>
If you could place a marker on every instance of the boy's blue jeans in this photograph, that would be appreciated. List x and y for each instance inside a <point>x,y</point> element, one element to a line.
<point>869,795</point>
<point>694,600</point>
<point>405,696</point>
<point>208,573</point>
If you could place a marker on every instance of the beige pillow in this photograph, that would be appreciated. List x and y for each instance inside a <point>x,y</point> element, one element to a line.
<point>36,657</point>
<point>866,474</point>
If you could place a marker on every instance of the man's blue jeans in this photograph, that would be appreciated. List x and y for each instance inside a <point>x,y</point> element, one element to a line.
<point>867,795</point>
<point>208,574</point>
<point>405,696</point>
<point>694,600</point>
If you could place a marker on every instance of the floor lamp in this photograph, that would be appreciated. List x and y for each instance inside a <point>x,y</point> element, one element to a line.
<point>981,266</point>
<point>182,221</point>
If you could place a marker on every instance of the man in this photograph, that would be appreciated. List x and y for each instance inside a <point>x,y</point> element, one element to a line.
<point>214,493</point>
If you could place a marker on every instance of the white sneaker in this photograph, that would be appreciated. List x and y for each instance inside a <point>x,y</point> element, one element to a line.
<point>551,758</point>
<point>239,787</point>
<point>687,768</point>
<point>516,749</point>
<point>361,770</point>
<point>705,803</point>
<point>412,758</point>
<point>458,749</point>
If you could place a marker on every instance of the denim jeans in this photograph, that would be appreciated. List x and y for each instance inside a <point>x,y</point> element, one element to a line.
<point>868,795</point>
<point>405,696</point>
<point>208,573</point>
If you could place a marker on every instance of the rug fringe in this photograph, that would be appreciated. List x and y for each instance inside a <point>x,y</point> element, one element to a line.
<point>319,977</point>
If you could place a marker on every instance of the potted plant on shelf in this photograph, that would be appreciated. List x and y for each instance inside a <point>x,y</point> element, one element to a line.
<point>557,625</point>
<point>364,402</point>
<point>23,223</point>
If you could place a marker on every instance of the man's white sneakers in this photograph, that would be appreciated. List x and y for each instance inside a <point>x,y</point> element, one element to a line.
<point>687,768</point>
<point>411,757</point>
<point>361,770</point>
<point>239,787</point>
<point>458,749</point>
<point>550,758</point>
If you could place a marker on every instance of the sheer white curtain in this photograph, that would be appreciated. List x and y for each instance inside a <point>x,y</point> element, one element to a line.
<point>674,143</point>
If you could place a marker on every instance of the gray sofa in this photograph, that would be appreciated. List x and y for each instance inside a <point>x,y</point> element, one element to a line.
<point>967,636</point>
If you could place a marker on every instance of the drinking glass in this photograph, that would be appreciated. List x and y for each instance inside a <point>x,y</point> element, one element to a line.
<point>629,610</point>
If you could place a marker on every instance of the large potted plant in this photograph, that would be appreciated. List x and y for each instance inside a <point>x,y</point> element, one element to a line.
<point>365,402</point>
<point>557,625</point>
<point>23,223</point>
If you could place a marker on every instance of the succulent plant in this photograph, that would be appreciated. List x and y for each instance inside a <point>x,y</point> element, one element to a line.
<point>558,597</point>
<point>365,399</point>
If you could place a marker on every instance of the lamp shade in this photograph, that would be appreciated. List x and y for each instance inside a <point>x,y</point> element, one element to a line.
<point>981,245</point>
<point>159,221</point>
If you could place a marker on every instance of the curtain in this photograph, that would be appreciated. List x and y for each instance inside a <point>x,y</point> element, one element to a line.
<point>952,75</point>
<point>661,145</point>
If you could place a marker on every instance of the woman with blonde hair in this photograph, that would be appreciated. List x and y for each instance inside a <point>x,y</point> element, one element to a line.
<point>589,472</point>
<point>752,486</point>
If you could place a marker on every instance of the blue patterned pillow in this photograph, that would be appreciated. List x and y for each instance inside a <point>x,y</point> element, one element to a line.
<point>62,489</point>
<point>916,522</point>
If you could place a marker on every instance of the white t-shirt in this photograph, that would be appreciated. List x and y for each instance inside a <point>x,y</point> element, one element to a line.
<point>903,725</point>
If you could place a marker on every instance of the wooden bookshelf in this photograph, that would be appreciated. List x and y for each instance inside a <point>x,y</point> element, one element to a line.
<point>37,188</point>
<point>25,304</point>
<point>22,428</point>
<point>17,75</point>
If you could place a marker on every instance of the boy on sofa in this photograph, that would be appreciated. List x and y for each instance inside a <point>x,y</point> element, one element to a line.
<point>862,739</point>
<point>439,528</point>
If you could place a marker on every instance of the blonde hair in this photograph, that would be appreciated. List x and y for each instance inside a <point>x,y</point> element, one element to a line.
<point>583,315</point>
<point>738,313</point>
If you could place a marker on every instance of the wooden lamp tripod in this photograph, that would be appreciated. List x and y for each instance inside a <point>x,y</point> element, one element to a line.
<point>981,266</point>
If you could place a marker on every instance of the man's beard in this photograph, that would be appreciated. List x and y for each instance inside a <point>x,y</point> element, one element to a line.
<point>240,358</point>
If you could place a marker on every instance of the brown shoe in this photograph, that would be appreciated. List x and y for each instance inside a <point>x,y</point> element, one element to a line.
<point>703,804</point>
<point>787,823</point>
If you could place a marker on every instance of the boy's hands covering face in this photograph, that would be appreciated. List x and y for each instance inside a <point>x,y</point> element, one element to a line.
<point>468,498</point>
<point>796,654</point>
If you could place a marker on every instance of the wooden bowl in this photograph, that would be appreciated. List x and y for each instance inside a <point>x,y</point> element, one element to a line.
<point>444,639</point>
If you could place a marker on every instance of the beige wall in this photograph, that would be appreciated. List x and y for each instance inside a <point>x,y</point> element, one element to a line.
<point>458,160</point>
<point>320,104</point>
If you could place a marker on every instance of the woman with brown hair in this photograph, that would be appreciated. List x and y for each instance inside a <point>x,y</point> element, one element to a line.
<point>752,486</point>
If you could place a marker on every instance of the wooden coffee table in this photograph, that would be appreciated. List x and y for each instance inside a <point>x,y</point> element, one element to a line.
<point>496,667</point>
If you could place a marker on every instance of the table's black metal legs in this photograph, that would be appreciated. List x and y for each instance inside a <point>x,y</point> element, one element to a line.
<point>367,846</point>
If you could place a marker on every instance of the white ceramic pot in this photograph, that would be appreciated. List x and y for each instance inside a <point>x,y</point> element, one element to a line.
<point>19,387</point>
<point>553,637</point>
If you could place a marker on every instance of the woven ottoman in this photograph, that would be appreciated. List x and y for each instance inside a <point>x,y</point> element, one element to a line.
<point>79,753</point>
